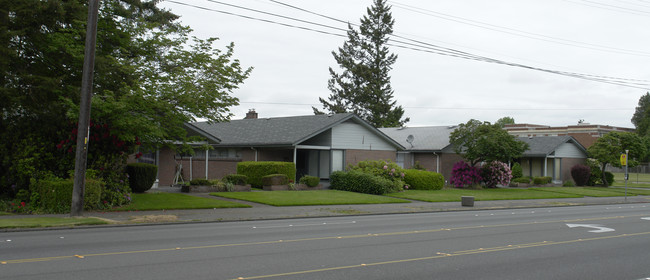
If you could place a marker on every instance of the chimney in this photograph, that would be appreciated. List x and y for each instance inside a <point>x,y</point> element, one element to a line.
<point>251,114</point>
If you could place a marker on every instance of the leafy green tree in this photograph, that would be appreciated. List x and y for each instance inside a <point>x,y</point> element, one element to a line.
<point>150,78</point>
<point>505,120</point>
<point>364,86</point>
<point>478,141</point>
<point>608,149</point>
<point>641,117</point>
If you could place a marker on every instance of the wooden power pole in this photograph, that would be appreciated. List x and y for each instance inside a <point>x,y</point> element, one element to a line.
<point>84,111</point>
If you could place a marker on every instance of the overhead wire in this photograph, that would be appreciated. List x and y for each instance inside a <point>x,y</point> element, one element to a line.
<point>412,44</point>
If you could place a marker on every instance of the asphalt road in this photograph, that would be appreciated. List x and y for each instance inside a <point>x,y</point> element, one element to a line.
<point>585,242</point>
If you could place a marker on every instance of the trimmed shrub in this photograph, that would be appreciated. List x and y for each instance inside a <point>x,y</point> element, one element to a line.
<point>463,175</point>
<point>423,180</point>
<point>581,174</point>
<point>200,182</point>
<point>310,181</point>
<point>517,171</point>
<point>141,176</point>
<point>235,179</point>
<point>255,170</point>
<point>385,169</point>
<point>542,180</point>
<point>357,181</point>
<point>495,173</point>
<point>522,180</point>
<point>55,195</point>
<point>569,183</point>
<point>275,179</point>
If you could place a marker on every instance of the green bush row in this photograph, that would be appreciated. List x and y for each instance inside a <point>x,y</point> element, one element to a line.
<point>423,180</point>
<point>357,181</point>
<point>55,195</point>
<point>200,182</point>
<point>542,180</point>
<point>255,170</point>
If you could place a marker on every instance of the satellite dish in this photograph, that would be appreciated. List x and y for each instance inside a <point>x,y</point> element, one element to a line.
<point>410,139</point>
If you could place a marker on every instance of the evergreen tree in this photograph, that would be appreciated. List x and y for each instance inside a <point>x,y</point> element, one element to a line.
<point>641,118</point>
<point>364,87</point>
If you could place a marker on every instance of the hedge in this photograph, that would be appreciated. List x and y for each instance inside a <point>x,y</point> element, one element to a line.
<point>423,180</point>
<point>55,195</point>
<point>141,176</point>
<point>542,180</point>
<point>356,181</point>
<point>255,170</point>
<point>200,182</point>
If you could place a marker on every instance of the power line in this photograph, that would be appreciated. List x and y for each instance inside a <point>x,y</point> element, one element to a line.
<point>420,46</point>
<point>517,32</point>
<point>453,108</point>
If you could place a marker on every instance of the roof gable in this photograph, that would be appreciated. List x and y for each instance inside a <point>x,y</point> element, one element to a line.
<point>546,145</point>
<point>283,131</point>
<point>426,138</point>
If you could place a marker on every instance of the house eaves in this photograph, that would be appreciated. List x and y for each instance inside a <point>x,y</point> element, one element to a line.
<point>211,138</point>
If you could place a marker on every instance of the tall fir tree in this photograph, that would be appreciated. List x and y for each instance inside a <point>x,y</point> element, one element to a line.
<point>364,86</point>
<point>641,117</point>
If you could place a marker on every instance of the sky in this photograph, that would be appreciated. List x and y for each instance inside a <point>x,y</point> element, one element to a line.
<point>289,43</point>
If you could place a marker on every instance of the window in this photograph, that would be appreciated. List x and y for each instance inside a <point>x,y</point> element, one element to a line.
<point>225,153</point>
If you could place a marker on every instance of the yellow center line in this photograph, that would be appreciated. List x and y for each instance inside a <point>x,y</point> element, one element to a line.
<point>29,260</point>
<point>444,255</point>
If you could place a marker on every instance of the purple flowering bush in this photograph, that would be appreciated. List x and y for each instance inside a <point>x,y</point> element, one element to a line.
<point>463,175</point>
<point>495,173</point>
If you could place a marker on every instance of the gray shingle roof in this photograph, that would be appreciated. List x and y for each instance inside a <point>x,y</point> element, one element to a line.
<point>426,138</point>
<point>545,145</point>
<point>284,131</point>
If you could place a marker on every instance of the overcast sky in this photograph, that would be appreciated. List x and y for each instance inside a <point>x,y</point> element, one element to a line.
<point>602,38</point>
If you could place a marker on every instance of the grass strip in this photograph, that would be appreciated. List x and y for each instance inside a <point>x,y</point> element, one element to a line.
<point>42,222</point>
<point>304,198</point>
<point>450,195</point>
<point>174,201</point>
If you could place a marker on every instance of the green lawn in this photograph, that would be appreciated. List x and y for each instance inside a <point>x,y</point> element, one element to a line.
<point>172,201</point>
<point>301,198</point>
<point>448,195</point>
<point>642,179</point>
<point>49,222</point>
<point>584,191</point>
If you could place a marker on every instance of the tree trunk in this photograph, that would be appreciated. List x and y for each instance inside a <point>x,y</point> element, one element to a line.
<point>604,178</point>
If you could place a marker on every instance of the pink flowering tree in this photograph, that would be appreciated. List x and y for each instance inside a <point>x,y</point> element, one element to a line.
<point>463,175</point>
<point>496,173</point>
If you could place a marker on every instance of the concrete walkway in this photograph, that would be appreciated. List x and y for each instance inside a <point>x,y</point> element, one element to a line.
<point>265,212</point>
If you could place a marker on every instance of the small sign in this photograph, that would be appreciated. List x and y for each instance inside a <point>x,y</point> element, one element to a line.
<point>623,159</point>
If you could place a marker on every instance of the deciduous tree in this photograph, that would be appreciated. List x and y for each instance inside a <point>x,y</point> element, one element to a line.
<point>150,78</point>
<point>478,141</point>
<point>608,149</point>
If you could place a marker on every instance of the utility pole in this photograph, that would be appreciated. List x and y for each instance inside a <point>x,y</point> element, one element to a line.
<point>81,155</point>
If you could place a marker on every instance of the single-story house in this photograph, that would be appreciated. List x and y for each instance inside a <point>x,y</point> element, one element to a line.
<point>317,144</point>
<point>430,148</point>
<point>551,156</point>
<point>427,147</point>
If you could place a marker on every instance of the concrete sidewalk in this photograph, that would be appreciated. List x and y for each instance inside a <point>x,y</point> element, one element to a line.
<point>265,212</point>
